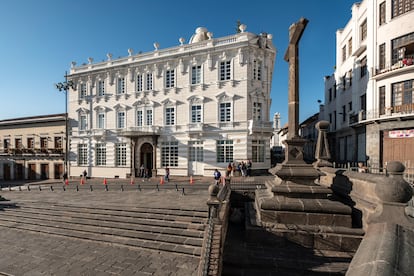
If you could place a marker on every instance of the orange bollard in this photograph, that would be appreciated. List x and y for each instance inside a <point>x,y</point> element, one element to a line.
<point>162,180</point>
<point>105,182</point>
<point>191,180</point>
<point>67,182</point>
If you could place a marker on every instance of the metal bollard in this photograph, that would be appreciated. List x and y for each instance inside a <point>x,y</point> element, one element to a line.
<point>158,188</point>
<point>90,186</point>
<point>77,188</point>
<point>183,192</point>
<point>122,188</point>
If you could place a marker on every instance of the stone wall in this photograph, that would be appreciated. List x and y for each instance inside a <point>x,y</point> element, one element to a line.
<point>354,189</point>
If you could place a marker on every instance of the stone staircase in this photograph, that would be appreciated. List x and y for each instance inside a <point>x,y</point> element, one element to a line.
<point>292,229</point>
<point>171,230</point>
<point>251,249</point>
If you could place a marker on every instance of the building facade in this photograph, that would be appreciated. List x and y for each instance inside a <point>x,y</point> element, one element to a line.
<point>190,108</point>
<point>32,147</point>
<point>369,99</point>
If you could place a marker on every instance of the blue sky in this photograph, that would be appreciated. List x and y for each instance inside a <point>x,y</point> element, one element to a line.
<point>40,38</point>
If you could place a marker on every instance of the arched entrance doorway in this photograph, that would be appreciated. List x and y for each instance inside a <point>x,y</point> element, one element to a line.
<point>146,157</point>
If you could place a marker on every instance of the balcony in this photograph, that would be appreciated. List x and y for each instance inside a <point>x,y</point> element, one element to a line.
<point>355,118</point>
<point>395,112</point>
<point>259,126</point>
<point>98,133</point>
<point>390,68</point>
<point>32,152</point>
<point>195,127</point>
<point>140,131</point>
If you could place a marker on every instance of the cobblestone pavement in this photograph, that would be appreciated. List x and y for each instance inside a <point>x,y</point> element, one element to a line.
<point>31,253</point>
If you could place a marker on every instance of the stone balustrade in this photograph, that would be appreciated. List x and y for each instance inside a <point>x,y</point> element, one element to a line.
<point>214,237</point>
<point>380,202</point>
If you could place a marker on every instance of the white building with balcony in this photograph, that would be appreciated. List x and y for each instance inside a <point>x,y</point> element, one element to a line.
<point>369,99</point>
<point>191,108</point>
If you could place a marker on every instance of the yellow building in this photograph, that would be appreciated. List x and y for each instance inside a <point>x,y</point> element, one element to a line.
<point>32,147</point>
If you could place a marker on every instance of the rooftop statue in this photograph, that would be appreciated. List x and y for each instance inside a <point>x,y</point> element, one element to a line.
<point>201,34</point>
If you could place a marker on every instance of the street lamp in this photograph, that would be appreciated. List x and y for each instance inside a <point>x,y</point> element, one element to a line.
<point>64,86</point>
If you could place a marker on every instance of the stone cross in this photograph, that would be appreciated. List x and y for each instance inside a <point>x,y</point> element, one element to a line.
<point>292,56</point>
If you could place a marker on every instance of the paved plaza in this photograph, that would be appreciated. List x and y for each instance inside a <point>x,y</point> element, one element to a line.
<point>29,248</point>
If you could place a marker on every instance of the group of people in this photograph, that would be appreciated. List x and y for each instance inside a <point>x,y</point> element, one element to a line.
<point>144,172</point>
<point>239,169</point>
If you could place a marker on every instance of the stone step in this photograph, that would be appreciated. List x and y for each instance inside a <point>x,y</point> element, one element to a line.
<point>79,222</point>
<point>174,215</point>
<point>97,222</point>
<point>302,191</point>
<point>340,238</point>
<point>304,211</point>
<point>265,257</point>
<point>114,218</point>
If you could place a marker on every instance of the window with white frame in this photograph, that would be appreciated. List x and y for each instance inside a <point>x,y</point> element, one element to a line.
<point>144,114</point>
<point>101,88</point>
<point>257,111</point>
<point>149,83</point>
<point>83,91</point>
<point>225,112</point>
<point>196,113</point>
<point>257,70</point>
<point>120,86</point>
<point>120,120</point>
<point>140,83</point>
<point>148,117</point>
<point>195,151</point>
<point>224,151</point>
<point>140,117</point>
<point>121,155</point>
<point>169,78</point>
<point>101,120</point>
<point>169,154</point>
<point>196,74</point>
<point>258,150</point>
<point>82,154</point>
<point>83,122</point>
<point>225,70</point>
<point>170,116</point>
<point>100,153</point>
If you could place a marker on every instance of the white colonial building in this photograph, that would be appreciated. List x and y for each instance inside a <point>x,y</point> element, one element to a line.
<point>369,100</point>
<point>190,108</point>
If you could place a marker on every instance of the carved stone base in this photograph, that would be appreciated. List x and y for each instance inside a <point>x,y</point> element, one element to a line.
<point>294,169</point>
<point>304,174</point>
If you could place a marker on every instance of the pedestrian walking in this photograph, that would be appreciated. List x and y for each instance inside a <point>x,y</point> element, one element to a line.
<point>217,176</point>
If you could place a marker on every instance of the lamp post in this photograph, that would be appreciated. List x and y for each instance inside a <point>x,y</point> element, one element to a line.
<point>65,86</point>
